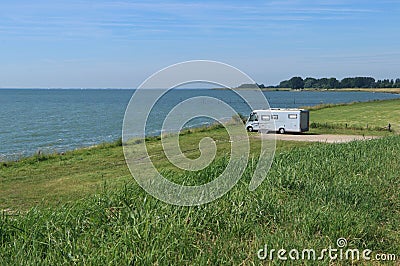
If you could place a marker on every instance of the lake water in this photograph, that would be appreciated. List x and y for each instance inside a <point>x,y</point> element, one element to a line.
<point>57,120</point>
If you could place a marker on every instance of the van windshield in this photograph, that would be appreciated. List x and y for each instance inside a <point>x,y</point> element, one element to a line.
<point>253,117</point>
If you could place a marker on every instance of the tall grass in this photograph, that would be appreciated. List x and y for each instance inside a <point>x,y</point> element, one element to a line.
<point>371,116</point>
<point>312,196</point>
<point>347,126</point>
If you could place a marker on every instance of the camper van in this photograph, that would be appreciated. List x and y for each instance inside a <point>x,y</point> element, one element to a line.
<point>280,120</point>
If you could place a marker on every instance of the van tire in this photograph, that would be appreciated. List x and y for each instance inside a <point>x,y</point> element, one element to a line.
<point>250,129</point>
<point>282,130</point>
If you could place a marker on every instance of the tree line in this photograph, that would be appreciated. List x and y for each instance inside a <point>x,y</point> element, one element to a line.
<point>333,83</point>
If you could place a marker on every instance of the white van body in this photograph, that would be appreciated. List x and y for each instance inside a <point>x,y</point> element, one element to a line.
<point>279,120</point>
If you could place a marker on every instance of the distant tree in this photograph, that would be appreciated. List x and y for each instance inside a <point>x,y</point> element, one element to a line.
<point>364,82</point>
<point>397,83</point>
<point>333,83</point>
<point>296,83</point>
<point>284,84</point>
<point>387,83</point>
<point>247,86</point>
<point>347,83</point>
<point>261,86</point>
<point>310,82</point>
<point>323,83</point>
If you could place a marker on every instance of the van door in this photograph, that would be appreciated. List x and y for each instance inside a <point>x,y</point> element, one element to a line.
<point>252,124</point>
<point>304,120</point>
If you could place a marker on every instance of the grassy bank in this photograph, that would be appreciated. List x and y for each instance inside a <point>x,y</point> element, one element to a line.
<point>83,207</point>
<point>312,196</point>
<point>360,118</point>
<point>49,180</point>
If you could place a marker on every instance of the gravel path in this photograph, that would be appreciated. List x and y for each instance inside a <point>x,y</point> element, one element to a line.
<point>328,138</point>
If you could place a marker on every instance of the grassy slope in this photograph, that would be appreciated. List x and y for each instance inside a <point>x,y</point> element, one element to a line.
<point>313,195</point>
<point>49,180</point>
<point>54,179</point>
<point>376,114</point>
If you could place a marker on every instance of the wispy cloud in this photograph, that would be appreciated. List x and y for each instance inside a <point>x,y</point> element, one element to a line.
<point>144,31</point>
<point>108,17</point>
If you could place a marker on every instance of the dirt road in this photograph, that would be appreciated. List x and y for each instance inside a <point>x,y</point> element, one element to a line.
<point>321,138</point>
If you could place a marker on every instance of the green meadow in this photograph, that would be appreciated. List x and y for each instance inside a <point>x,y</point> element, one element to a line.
<point>84,207</point>
<point>371,117</point>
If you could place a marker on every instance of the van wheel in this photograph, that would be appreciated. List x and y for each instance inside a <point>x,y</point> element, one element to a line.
<point>250,129</point>
<point>282,130</point>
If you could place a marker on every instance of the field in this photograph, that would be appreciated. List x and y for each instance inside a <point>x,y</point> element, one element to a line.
<point>362,118</point>
<point>83,207</point>
<point>48,180</point>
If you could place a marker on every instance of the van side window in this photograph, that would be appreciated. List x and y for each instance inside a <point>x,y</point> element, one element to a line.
<point>292,116</point>
<point>275,117</point>
<point>265,117</point>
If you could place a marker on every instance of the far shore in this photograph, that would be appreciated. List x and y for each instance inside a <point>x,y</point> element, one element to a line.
<point>382,90</point>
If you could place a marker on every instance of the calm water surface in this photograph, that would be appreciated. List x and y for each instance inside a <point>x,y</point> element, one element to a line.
<point>57,120</point>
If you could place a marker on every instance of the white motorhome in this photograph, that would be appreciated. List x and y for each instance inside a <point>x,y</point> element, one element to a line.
<point>279,120</point>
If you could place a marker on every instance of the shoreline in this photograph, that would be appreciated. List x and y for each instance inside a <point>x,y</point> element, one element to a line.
<point>374,90</point>
<point>39,153</point>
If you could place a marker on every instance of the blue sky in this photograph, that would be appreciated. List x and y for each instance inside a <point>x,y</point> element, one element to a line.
<point>118,44</point>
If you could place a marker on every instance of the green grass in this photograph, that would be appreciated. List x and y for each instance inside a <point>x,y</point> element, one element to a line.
<point>362,118</point>
<point>312,196</point>
<point>52,179</point>
<point>84,207</point>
